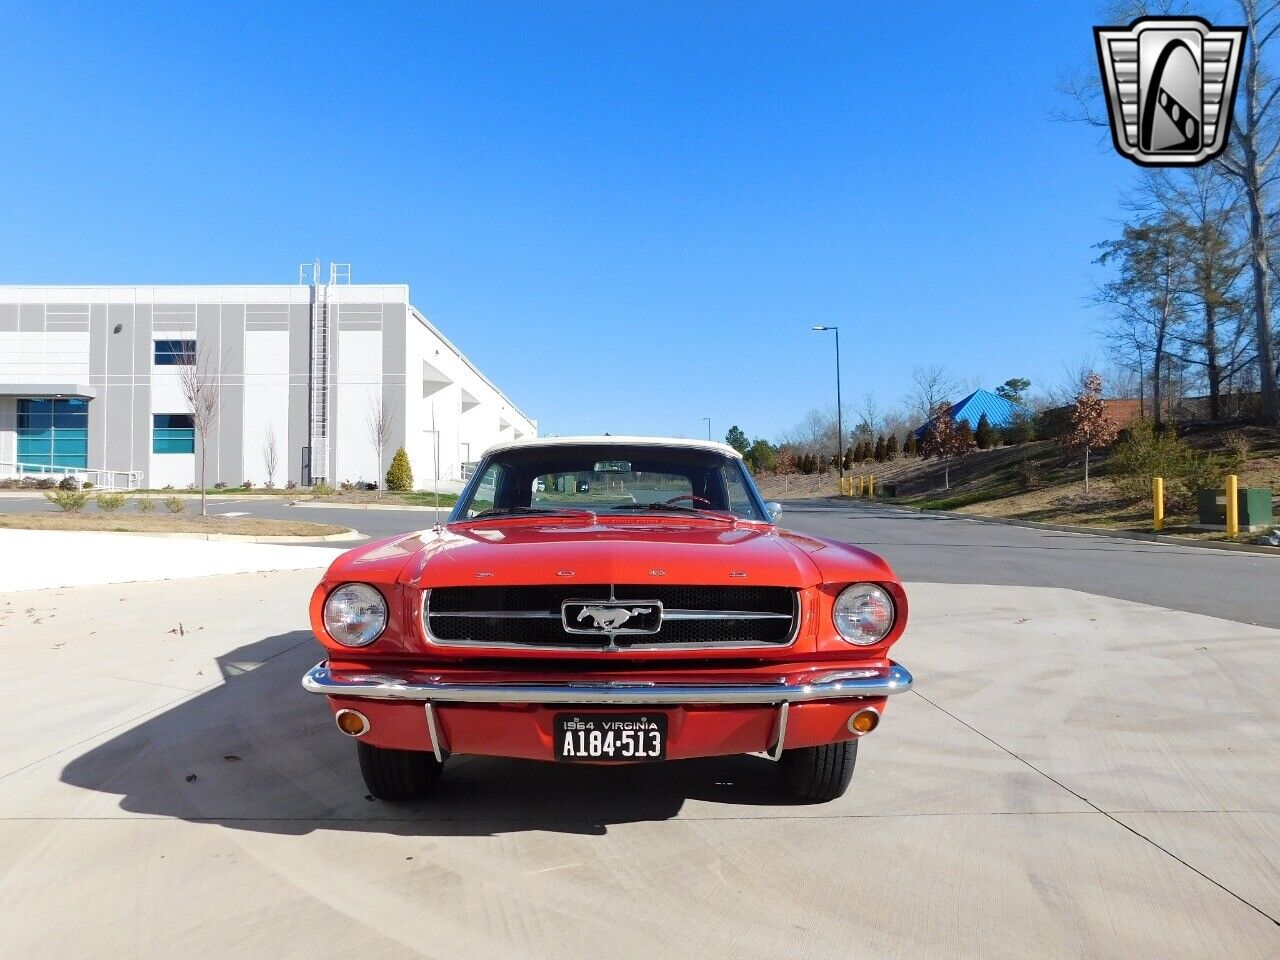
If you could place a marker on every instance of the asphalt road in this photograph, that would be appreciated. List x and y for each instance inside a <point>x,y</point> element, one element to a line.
<point>935,549</point>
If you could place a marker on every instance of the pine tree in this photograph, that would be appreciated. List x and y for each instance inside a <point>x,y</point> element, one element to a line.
<point>909,447</point>
<point>400,474</point>
<point>879,450</point>
<point>891,447</point>
<point>985,436</point>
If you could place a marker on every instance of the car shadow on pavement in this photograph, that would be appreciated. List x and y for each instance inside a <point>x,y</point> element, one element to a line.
<point>258,753</point>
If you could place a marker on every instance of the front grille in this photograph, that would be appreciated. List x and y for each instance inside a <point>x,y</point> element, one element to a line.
<point>693,616</point>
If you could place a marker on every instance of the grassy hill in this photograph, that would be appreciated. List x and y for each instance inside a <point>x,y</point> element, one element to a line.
<point>1039,481</point>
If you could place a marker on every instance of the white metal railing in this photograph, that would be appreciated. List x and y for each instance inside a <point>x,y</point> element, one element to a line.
<point>106,479</point>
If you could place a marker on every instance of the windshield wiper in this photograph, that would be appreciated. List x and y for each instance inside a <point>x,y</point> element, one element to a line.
<point>525,511</point>
<point>677,508</point>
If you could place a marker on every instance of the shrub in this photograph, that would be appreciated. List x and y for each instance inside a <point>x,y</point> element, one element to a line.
<point>175,504</point>
<point>400,474</point>
<point>86,485</point>
<point>220,485</point>
<point>322,489</point>
<point>71,501</point>
<point>1022,429</point>
<point>111,502</point>
<point>1144,453</point>
<point>346,485</point>
<point>269,485</point>
<point>167,486</point>
<point>1027,475</point>
<point>291,485</point>
<point>1204,472</point>
<point>1238,448</point>
<point>46,483</point>
<point>69,483</point>
<point>146,504</point>
<point>368,485</point>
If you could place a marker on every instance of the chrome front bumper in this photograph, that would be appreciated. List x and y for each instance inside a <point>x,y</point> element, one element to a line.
<point>832,685</point>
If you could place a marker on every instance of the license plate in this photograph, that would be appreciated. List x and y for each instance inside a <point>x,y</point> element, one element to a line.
<point>605,737</point>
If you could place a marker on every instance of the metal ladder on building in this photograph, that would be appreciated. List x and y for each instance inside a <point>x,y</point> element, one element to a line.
<point>324,318</point>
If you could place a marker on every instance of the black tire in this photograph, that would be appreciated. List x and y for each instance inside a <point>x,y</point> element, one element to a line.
<point>819,774</point>
<point>398,775</point>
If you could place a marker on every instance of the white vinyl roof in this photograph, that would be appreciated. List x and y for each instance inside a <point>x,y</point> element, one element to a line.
<point>529,442</point>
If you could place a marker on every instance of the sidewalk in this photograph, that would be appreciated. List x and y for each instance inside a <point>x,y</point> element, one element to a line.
<point>41,559</point>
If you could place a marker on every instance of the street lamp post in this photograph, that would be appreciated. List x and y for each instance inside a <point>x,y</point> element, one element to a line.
<point>839,408</point>
<point>708,419</point>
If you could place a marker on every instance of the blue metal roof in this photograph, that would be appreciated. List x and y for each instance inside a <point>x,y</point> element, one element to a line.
<point>1000,412</point>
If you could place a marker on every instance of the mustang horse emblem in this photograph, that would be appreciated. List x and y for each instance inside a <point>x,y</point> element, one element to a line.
<point>611,618</point>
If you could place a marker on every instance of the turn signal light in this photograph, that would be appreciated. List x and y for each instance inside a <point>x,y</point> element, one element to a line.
<point>864,721</point>
<point>352,722</point>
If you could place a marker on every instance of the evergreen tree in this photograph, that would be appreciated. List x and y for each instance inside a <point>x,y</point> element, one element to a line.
<point>879,450</point>
<point>400,474</point>
<point>985,436</point>
<point>737,439</point>
<point>891,447</point>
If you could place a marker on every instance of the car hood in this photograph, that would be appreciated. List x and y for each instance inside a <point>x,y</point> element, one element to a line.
<point>611,552</point>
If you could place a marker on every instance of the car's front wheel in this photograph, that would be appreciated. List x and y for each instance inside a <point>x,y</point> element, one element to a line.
<point>398,775</point>
<point>819,773</point>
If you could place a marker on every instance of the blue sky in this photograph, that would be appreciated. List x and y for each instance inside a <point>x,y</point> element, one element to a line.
<point>629,215</point>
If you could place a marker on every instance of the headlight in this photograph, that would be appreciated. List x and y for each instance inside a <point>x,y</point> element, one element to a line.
<point>863,614</point>
<point>355,614</point>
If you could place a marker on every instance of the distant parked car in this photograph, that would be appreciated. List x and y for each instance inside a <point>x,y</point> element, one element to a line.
<point>628,632</point>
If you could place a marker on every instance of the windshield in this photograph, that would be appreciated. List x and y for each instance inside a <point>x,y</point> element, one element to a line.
<point>605,478</point>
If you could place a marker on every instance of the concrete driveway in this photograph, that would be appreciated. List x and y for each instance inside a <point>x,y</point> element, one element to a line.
<point>1077,776</point>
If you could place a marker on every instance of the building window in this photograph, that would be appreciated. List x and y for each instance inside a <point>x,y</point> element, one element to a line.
<point>53,432</point>
<point>172,433</point>
<point>175,353</point>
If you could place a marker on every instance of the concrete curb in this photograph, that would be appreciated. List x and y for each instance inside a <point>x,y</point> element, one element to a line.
<point>235,537</point>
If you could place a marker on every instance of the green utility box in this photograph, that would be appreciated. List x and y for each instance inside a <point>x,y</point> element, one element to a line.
<point>1254,506</point>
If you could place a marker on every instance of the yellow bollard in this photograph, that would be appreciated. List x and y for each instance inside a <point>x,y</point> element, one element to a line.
<point>1157,503</point>
<point>1233,506</point>
<point>862,486</point>
<point>871,486</point>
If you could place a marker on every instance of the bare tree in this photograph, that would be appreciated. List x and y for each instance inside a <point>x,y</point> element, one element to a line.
<point>1253,149</point>
<point>930,387</point>
<point>201,384</point>
<point>1146,299</point>
<point>1251,158</point>
<point>869,414</point>
<point>379,419</point>
<point>270,454</point>
<point>1206,209</point>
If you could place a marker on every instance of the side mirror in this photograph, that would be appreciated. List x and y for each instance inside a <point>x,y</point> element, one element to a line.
<point>774,509</point>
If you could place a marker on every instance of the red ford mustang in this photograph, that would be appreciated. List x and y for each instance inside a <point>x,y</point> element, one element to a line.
<point>608,600</point>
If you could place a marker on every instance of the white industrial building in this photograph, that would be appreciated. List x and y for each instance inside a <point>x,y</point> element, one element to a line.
<point>90,384</point>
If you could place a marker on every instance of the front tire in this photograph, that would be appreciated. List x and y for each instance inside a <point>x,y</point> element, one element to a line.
<point>398,776</point>
<point>819,774</point>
